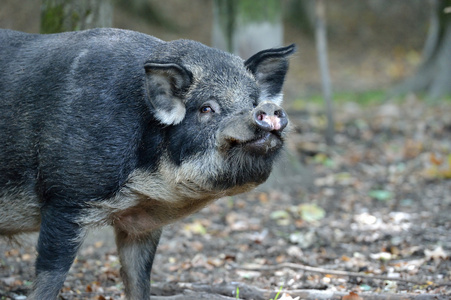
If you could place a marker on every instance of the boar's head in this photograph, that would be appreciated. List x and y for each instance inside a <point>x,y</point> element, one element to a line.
<point>221,115</point>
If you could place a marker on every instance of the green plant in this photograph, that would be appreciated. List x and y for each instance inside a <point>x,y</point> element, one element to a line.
<point>278,293</point>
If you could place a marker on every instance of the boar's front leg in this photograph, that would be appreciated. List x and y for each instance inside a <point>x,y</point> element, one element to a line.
<point>60,238</point>
<point>136,253</point>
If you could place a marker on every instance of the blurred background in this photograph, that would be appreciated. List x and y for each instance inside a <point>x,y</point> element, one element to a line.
<point>365,181</point>
<point>372,44</point>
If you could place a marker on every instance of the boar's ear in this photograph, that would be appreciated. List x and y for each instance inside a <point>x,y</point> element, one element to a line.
<point>269,68</point>
<point>166,84</point>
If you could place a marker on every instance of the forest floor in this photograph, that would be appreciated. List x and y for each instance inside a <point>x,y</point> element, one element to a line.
<point>373,223</point>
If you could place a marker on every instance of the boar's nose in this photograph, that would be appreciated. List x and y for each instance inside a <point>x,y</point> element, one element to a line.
<point>269,116</point>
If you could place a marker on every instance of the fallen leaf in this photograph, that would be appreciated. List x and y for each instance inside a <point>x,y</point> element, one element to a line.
<point>196,228</point>
<point>381,195</point>
<point>381,256</point>
<point>282,217</point>
<point>323,159</point>
<point>303,239</point>
<point>263,197</point>
<point>279,214</point>
<point>436,254</point>
<point>248,274</point>
<point>286,296</point>
<point>311,212</point>
<point>434,159</point>
<point>345,258</point>
<point>295,251</point>
<point>390,286</point>
<point>352,296</point>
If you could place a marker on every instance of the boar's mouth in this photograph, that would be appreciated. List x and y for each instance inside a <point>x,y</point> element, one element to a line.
<point>248,158</point>
<point>268,142</point>
<point>261,144</point>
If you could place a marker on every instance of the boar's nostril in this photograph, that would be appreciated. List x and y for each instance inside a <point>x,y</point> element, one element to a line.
<point>262,121</point>
<point>280,113</point>
<point>270,120</point>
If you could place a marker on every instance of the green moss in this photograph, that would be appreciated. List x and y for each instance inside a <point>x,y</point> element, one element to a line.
<point>75,20</point>
<point>259,11</point>
<point>62,15</point>
<point>52,18</point>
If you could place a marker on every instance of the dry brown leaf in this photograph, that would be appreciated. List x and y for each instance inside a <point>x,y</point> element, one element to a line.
<point>352,296</point>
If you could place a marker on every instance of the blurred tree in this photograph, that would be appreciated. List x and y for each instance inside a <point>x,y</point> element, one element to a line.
<point>70,15</point>
<point>300,15</point>
<point>147,11</point>
<point>434,73</point>
<point>245,27</point>
<point>321,46</point>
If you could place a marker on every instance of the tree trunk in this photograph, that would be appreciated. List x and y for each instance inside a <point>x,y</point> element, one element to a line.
<point>71,15</point>
<point>433,76</point>
<point>321,46</point>
<point>245,27</point>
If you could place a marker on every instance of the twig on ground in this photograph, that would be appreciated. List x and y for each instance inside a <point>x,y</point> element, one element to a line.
<point>331,272</point>
<point>223,291</point>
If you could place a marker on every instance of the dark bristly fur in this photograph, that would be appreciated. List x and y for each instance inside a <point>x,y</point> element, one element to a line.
<point>114,127</point>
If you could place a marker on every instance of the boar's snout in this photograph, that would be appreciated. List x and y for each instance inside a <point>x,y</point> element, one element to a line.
<point>270,120</point>
<point>258,133</point>
<point>270,117</point>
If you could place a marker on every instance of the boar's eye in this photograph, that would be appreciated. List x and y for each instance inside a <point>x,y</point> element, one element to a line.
<point>206,109</point>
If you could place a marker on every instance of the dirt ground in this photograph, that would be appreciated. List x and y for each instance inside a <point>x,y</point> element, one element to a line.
<point>379,206</point>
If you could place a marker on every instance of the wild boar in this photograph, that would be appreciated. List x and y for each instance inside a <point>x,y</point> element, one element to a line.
<point>114,127</point>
